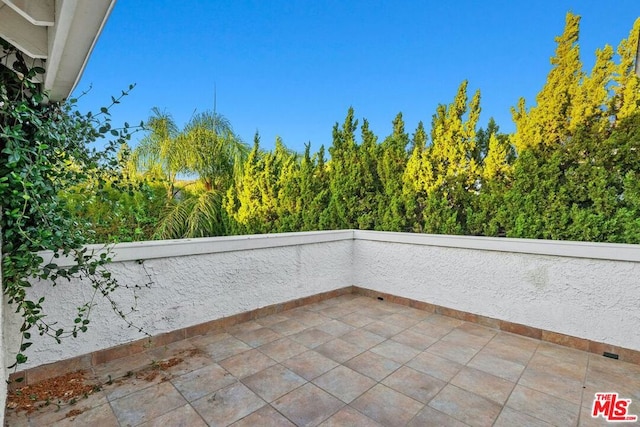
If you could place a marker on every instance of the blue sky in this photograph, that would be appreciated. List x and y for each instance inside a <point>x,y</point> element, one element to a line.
<point>292,68</point>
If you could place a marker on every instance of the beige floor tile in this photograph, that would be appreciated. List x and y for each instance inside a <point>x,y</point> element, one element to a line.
<point>466,338</point>
<point>335,327</point>
<point>190,362</point>
<point>339,350</point>
<point>311,338</point>
<point>520,355</point>
<point>309,318</point>
<point>432,328</point>
<point>518,341</point>
<point>429,417</point>
<point>357,320</point>
<point>174,349</point>
<point>547,382</point>
<point>102,416</point>
<point>466,406</point>
<point>383,329</point>
<point>228,405</point>
<point>376,312</point>
<point>147,404</point>
<point>510,417</point>
<point>363,338</point>
<point>202,341</point>
<point>344,383</point>
<point>543,406</point>
<point>395,351</point>
<point>486,361</point>
<point>457,352</point>
<point>203,381</point>
<point>609,374</point>
<point>336,311</point>
<point>310,364</point>
<point>131,384</point>
<point>225,348</point>
<point>605,365</point>
<point>628,389</point>
<point>308,405</point>
<point>272,319</point>
<point>244,327</point>
<point>373,365</point>
<point>440,320</point>
<point>13,419</point>
<point>483,384</point>
<point>401,320</point>
<point>478,330</point>
<point>387,406</point>
<point>273,382</point>
<point>435,366</point>
<point>564,354</point>
<point>587,420</point>
<point>288,327</point>
<point>414,340</point>
<point>415,384</point>
<point>121,367</point>
<point>247,363</point>
<point>319,306</point>
<point>282,349</point>
<point>348,416</point>
<point>561,368</point>
<point>257,337</point>
<point>555,384</point>
<point>265,416</point>
<point>52,414</point>
<point>184,416</point>
<point>414,313</point>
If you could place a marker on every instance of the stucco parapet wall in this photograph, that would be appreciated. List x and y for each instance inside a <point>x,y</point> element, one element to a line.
<point>153,249</point>
<point>590,250</point>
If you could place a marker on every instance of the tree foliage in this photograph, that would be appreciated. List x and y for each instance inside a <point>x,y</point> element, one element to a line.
<point>44,152</point>
<point>567,172</point>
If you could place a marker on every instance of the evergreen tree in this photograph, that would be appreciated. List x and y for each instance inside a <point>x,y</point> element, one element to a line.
<point>393,161</point>
<point>343,180</point>
<point>243,200</point>
<point>413,183</point>
<point>547,124</point>
<point>314,188</point>
<point>627,82</point>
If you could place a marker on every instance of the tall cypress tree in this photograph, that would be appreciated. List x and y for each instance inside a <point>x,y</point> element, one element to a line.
<point>393,161</point>
<point>547,124</point>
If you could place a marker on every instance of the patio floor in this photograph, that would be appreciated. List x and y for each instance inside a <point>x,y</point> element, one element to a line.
<point>351,361</point>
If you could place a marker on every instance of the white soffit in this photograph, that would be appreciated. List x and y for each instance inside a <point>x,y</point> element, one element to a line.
<point>61,33</point>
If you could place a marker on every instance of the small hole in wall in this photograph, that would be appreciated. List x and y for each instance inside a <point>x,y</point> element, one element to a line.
<point>610,355</point>
<point>380,299</point>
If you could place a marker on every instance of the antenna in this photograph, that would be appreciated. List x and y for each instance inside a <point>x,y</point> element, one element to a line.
<point>215,98</point>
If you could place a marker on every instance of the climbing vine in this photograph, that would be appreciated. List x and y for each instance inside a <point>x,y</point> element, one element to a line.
<point>46,147</point>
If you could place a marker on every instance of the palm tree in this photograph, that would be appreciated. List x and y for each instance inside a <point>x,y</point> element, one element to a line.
<point>158,153</point>
<point>208,149</point>
<point>213,152</point>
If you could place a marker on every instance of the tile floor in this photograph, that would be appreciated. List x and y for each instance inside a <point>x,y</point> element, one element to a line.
<point>353,361</point>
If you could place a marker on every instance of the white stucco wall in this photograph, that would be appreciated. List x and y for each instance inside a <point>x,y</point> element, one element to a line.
<point>222,277</point>
<point>587,290</point>
<point>3,362</point>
